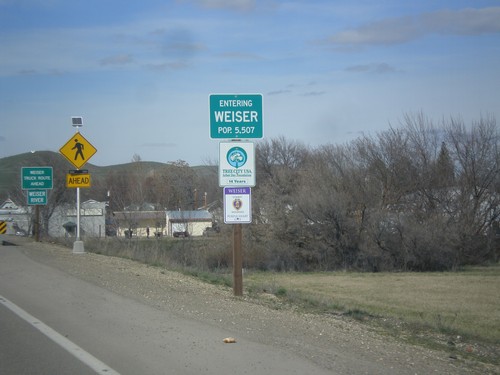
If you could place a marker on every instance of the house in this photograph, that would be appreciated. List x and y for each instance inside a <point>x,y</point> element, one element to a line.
<point>16,218</point>
<point>188,223</point>
<point>63,221</point>
<point>138,223</point>
<point>134,221</point>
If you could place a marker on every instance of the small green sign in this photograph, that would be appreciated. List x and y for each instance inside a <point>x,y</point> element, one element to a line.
<point>37,197</point>
<point>235,116</point>
<point>36,178</point>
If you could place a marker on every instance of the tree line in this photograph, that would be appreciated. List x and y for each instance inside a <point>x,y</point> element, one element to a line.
<point>417,197</point>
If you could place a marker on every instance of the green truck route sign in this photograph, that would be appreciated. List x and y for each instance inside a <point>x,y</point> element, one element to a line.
<point>36,178</point>
<point>235,116</point>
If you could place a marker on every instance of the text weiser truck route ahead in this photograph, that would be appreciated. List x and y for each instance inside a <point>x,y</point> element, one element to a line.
<point>236,116</point>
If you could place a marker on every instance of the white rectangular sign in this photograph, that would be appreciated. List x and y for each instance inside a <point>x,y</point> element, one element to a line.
<point>236,164</point>
<point>237,205</point>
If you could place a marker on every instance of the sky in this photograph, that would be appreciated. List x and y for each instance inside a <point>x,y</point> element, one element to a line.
<point>140,72</point>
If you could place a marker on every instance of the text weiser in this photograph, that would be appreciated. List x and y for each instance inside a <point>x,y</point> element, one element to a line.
<point>239,116</point>
<point>237,190</point>
<point>37,197</point>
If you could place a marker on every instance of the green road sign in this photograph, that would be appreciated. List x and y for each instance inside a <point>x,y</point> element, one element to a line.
<point>236,116</point>
<point>37,197</point>
<point>36,178</point>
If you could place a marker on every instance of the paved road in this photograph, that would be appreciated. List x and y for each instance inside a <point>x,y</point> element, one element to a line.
<point>25,350</point>
<point>127,336</point>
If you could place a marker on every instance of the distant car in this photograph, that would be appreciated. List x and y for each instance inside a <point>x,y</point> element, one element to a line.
<point>21,233</point>
<point>181,234</point>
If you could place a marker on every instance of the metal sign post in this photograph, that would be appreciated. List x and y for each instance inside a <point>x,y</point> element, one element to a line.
<point>77,150</point>
<point>237,210</point>
<point>237,260</point>
<point>36,181</point>
<point>236,117</point>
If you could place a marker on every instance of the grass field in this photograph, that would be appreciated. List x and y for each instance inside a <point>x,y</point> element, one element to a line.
<point>463,303</point>
<point>458,312</point>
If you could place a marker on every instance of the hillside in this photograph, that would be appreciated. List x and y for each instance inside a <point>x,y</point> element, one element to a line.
<point>10,169</point>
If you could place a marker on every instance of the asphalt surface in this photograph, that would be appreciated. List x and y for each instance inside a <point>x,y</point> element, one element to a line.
<point>25,350</point>
<point>126,335</point>
<point>110,315</point>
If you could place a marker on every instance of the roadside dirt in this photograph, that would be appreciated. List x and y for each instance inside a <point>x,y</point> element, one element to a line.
<point>339,343</point>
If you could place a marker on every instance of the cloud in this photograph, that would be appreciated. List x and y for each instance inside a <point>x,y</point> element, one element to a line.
<point>46,51</point>
<point>27,72</point>
<point>241,56</point>
<point>314,93</point>
<point>116,60</point>
<point>278,92</point>
<point>378,68</point>
<point>174,65</point>
<point>239,5</point>
<point>404,29</point>
<point>158,145</point>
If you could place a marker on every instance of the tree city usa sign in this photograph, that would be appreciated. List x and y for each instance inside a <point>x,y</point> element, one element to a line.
<point>236,164</point>
<point>235,116</point>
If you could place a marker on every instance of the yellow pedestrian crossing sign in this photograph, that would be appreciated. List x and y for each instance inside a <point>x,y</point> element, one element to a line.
<point>78,150</point>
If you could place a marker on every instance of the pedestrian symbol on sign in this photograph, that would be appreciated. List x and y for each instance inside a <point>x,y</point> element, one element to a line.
<point>78,150</point>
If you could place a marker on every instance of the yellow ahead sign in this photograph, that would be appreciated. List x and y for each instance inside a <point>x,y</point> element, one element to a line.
<point>78,150</point>
<point>78,180</point>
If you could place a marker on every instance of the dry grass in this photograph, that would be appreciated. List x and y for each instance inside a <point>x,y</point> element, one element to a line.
<point>462,303</point>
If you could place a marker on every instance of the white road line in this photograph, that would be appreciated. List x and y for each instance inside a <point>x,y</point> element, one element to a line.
<point>87,358</point>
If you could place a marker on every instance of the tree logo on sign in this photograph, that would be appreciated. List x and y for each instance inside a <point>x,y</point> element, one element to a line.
<point>236,157</point>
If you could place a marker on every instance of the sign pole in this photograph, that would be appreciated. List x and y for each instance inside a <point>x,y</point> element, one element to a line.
<point>78,214</point>
<point>78,247</point>
<point>37,223</point>
<point>78,151</point>
<point>237,260</point>
<point>236,116</point>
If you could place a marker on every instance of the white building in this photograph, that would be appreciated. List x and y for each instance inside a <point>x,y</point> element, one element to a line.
<point>63,221</point>
<point>188,223</point>
<point>139,223</point>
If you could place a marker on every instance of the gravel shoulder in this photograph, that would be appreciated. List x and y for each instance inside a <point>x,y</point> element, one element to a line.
<point>333,342</point>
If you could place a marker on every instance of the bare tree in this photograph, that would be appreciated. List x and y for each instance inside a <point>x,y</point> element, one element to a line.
<point>477,200</point>
<point>279,164</point>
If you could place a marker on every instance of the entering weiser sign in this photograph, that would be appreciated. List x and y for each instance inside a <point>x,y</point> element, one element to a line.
<point>235,116</point>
